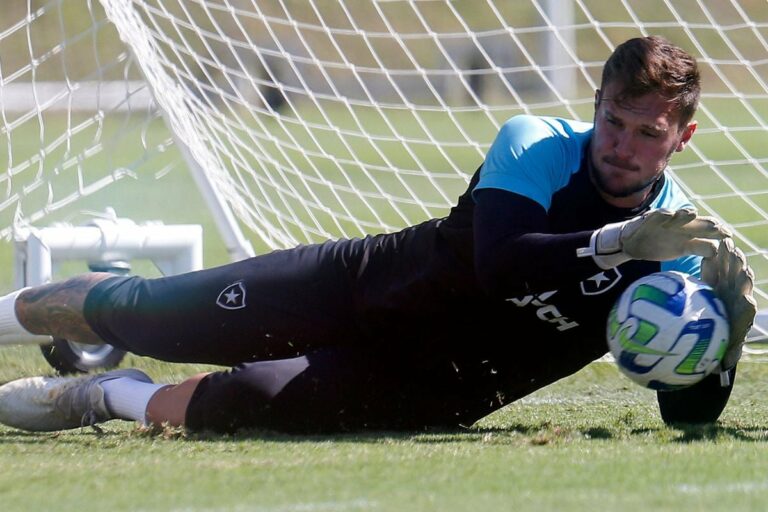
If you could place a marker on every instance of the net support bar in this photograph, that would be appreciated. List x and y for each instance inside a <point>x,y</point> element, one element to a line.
<point>238,247</point>
<point>173,249</point>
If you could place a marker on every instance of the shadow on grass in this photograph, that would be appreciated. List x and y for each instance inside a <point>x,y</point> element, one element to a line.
<point>707,432</point>
<point>717,432</point>
<point>540,433</point>
<point>74,436</point>
<point>537,433</point>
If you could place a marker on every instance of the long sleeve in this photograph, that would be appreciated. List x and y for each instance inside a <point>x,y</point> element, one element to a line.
<point>514,253</point>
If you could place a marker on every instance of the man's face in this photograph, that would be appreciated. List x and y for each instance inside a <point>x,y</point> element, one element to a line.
<point>632,144</point>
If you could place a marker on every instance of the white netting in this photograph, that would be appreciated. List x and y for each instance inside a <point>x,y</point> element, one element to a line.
<point>75,114</point>
<point>321,118</point>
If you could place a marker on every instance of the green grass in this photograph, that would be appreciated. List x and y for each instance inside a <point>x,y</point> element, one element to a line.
<point>592,440</point>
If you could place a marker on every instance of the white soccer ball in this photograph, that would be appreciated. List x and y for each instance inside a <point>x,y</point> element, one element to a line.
<point>667,330</point>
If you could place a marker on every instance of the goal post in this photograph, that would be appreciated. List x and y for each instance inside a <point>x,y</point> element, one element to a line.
<point>303,120</point>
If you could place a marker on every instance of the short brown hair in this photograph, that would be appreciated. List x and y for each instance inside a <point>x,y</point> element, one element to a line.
<point>654,65</point>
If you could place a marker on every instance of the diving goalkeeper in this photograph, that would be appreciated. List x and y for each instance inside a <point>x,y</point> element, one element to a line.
<point>437,325</point>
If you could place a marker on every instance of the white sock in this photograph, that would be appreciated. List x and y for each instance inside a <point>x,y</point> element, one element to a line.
<point>127,398</point>
<point>11,331</point>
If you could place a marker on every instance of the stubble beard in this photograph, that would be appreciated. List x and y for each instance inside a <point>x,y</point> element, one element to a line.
<point>620,193</point>
<point>627,191</point>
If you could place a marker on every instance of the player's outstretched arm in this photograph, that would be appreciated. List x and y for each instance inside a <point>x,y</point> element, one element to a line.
<point>515,253</point>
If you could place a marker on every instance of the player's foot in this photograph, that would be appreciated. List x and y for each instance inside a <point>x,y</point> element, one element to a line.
<point>58,403</point>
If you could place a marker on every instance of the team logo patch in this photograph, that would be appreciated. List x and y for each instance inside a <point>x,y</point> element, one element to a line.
<point>600,282</point>
<point>232,297</point>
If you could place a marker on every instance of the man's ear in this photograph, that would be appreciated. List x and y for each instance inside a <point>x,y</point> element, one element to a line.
<point>686,136</point>
<point>597,98</point>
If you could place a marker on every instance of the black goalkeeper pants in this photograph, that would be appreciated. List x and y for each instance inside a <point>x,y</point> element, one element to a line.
<point>285,323</point>
<point>279,305</point>
<point>328,390</point>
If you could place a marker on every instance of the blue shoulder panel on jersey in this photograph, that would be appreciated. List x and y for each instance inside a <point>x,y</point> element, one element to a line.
<point>535,156</point>
<point>673,198</point>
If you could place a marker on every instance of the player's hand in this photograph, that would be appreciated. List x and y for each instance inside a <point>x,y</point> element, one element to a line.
<point>657,235</point>
<point>732,279</point>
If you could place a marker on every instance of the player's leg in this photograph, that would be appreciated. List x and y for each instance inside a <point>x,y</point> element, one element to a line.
<point>60,403</point>
<point>49,310</point>
<point>168,405</point>
<point>325,390</point>
<point>274,306</point>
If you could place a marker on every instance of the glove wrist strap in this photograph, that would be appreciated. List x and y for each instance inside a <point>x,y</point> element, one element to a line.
<point>605,247</point>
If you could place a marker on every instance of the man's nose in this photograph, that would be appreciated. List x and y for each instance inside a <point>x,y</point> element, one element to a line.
<point>622,146</point>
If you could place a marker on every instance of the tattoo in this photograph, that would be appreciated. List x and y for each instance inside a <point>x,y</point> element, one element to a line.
<point>57,309</point>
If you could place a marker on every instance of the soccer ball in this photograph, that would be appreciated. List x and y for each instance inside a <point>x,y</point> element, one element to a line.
<point>667,330</point>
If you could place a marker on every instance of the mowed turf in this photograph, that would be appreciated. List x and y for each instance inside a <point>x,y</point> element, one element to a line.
<point>593,441</point>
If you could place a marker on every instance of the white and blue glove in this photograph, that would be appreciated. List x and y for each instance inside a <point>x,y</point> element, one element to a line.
<point>657,235</point>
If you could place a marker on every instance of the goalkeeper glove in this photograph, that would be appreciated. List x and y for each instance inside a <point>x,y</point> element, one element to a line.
<point>732,279</point>
<point>657,235</point>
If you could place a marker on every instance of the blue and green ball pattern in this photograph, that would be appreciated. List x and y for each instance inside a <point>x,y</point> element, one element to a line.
<point>667,331</point>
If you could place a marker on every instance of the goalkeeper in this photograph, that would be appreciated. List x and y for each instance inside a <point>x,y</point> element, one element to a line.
<point>439,324</point>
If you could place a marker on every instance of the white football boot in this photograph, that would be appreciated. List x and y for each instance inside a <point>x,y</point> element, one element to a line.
<point>44,404</point>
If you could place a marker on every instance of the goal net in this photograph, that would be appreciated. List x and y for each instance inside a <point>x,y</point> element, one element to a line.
<point>310,119</point>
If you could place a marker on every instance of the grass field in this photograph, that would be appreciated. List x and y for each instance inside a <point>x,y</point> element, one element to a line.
<point>592,441</point>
